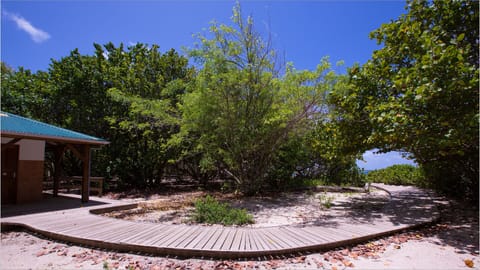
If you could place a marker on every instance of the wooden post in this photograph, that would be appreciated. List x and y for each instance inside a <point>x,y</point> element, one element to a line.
<point>86,174</point>
<point>58,156</point>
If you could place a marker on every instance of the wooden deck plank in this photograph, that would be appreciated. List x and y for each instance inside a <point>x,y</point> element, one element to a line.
<point>179,241</point>
<point>97,230</point>
<point>235,245</point>
<point>120,232</point>
<point>242,241</point>
<point>201,239</point>
<point>227,244</point>
<point>128,231</point>
<point>314,236</point>
<point>254,243</point>
<point>270,244</point>
<point>275,238</point>
<point>157,236</point>
<point>79,225</point>
<point>320,233</point>
<point>172,236</point>
<point>139,229</point>
<point>340,234</point>
<point>248,241</point>
<point>188,237</point>
<point>218,243</point>
<point>60,222</point>
<point>259,241</point>
<point>279,237</point>
<point>297,236</point>
<point>144,230</point>
<point>288,238</point>
<point>359,230</point>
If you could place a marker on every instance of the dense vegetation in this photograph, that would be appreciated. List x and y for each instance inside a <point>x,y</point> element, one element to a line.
<point>397,175</point>
<point>241,115</point>
<point>419,93</point>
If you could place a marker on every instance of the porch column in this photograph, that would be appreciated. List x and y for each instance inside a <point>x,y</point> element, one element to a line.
<point>58,156</point>
<point>86,173</point>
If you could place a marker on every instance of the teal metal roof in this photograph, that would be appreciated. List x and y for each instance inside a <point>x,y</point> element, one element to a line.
<point>20,127</point>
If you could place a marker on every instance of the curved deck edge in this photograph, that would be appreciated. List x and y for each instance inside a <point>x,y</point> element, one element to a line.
<point>210,253</point>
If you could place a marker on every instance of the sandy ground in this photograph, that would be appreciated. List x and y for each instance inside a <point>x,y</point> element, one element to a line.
<point>425,249</point>
<point>453,243</point>
<point>293,208</point>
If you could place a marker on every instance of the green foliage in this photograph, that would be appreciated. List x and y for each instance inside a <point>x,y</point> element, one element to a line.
<point>23,92</point>
<point>209,210</point>
<point>398,175</point>
<point>314,158</point>
<point>240,109</point>
<point>239,116</point>
<point>419,93</point>
<point>128,96</point>
<point>145,87</point>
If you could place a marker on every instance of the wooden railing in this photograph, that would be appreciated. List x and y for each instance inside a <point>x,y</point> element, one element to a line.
<point>75,182</point>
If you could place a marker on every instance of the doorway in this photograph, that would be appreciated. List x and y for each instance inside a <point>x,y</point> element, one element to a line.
<point>9,174</point>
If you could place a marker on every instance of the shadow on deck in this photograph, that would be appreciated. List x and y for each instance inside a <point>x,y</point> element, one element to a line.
<point>408,207</point>
<point>47,204</point>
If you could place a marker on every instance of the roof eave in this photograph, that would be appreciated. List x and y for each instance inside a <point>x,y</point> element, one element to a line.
<point>52,138</point>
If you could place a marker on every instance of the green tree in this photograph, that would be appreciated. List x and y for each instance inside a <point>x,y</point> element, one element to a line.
<point>127,96</point>
<point>241,109</point>
<point>419,93</point>
<point>78,94</point>
<point>23,92</point>
<point>144,87</point>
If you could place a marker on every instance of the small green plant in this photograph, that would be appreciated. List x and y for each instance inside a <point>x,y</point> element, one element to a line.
<point>325,200</point>
<point>209,210</point>
<point>105,265</point>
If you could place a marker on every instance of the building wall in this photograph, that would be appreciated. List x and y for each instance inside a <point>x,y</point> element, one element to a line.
<point>30,180</point>
<point>30,169</point>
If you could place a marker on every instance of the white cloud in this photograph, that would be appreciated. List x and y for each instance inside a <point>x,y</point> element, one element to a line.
<point>37,35</point>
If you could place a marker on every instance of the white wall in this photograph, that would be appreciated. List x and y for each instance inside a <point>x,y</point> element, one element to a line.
<point>29,149</point>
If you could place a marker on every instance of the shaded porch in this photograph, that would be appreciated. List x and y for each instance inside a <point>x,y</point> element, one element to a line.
<point>24,143</point>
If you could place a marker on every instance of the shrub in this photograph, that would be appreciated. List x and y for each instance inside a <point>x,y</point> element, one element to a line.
<point>398,175</point>
<point>209,210</point>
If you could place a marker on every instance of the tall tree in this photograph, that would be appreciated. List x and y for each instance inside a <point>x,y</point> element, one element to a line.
<point>127,96</point>
<point>146,87</point>
<point>420,92</point>
<point>240,108</point>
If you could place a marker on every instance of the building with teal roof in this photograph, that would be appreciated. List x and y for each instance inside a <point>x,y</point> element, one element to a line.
<point>24,141</point>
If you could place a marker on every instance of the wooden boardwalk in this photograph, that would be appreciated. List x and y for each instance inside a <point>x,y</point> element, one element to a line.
<point>408,207</point>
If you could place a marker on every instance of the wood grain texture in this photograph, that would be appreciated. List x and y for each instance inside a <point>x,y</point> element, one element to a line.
<point>80,226</point>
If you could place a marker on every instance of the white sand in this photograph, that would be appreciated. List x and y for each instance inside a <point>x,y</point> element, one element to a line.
<point>445,246</point>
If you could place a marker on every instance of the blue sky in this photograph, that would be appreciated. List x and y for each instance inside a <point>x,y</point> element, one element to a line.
<point>34,32</point>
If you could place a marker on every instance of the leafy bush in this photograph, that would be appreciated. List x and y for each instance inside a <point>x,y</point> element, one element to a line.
<point>398,175</point>
<point>209,210</point>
